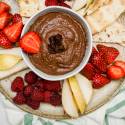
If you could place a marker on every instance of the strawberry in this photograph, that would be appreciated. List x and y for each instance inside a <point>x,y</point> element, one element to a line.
<point>52,85</point>
<point>13,31</point>
<point>115,72</point>
<point>30,77</point>
<point>98,61</point>
<point>37,95</point>
<point>109,53</point>
<point>31,42</point>
<point>17,85</point>
<point>89,71</point>
<point>51,2</point>
<point>94,51</point>
<point>4,7</point>
<point>33,104</point>
<point>99,81</point>
<point>64,5</point>
<point>19,99</point>
<point>17,18</point>
<point>55,99</point>
<point>39,84</point>
<point>28,90</point>
<point>5,18</point>
<point>120,64</point>
<point>4,42</point>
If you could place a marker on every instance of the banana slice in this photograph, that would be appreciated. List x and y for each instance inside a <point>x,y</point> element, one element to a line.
<point>7,61</point>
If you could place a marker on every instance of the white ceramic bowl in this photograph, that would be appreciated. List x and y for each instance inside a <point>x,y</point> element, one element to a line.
<point>88,46</point>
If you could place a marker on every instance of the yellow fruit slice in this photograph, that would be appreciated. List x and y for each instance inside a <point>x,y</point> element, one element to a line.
<point>68,101</point>
<point>78,96</point>
<point>7,61</point>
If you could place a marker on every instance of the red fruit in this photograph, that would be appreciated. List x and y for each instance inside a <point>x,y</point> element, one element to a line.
<point>109,53</point>
<point>19,99</point>
<point>64,5</point>
<point>17,18</point>
<point>120,64</point>
<point>115,72</point>
<point>52,85</point>
<point>5,18</point>
<point>30,77</point>
<point>61,1</point>
<point>4,42</point>
<point>51,2</point>
<point>17,85</point>
<point>98,61</point>
<point>33,104</point>
<point>39,84</point>
<point>89,71</point>
<point>4,7</point>
<point>28,90</point>
<point>37,95</point>
<point>55,99</point>
<point>13,31</point>
<point>31,42</point>
<point>99,81</point>
<point>94,51</point>
<point>47,95</point>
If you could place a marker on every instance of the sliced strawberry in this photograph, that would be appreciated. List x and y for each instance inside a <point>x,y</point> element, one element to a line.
<point>99,81</point>
<point>5,18</point>
<point>4,7</point>
<point>31,42</point>
<point>98,61</point>
<point>64,5</point>
<point>115,72</point>
<point>109,53</point>
<point>89,71</point>
<point>17,18</point>
<point>13,31</point>
<point>51,2</point>
<point>120,64</point>
<point>4,42</point>
<point>94,51</point>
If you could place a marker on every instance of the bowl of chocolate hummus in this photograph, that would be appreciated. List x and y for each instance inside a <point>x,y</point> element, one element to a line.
<point>67,43</point>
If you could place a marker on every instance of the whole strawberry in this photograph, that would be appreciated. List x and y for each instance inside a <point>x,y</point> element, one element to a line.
<point>17,18</point>
<point>28,90</point>
<point>17,85</point>
<point>99,81</point>
<point>19,99</point>
<point>33,104</point>
<point>31,77</point>
<point>40,84</point>
<point>47,95</point>
<point>4,41</point>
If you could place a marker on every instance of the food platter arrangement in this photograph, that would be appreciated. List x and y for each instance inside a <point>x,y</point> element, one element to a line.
<point>61,59</point>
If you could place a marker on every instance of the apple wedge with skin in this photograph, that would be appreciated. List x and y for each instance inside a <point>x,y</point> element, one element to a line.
<point>79,97</point>
<point>85,86</point>
<point>68,101</point>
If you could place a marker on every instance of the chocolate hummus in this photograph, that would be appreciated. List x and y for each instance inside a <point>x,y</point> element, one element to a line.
<point>63,46</point>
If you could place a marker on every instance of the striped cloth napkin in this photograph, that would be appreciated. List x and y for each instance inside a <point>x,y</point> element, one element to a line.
<point>112,113</point>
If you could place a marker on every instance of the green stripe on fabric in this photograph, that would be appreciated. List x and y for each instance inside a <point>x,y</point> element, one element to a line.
<point>28,118</point>
<point>65,122</point>
<point>113,109</point>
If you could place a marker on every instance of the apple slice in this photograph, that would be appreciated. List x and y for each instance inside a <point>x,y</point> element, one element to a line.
<point>68,101</point>
<point>78,4</point>
<point>79,98</point>
<point>7,61</point>
<point>85,86</point>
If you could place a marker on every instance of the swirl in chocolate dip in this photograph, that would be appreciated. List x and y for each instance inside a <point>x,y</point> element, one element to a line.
<point>63,46</point>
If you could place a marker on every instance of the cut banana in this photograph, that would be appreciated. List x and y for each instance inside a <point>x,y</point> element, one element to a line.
<point>7,61</point>
<point>68,101</point>
<point>79,98</point>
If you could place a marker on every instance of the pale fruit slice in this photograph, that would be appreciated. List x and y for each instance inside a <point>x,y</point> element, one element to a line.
<point>7,61</point>
<point>68,101</point>
<point>85,86</point>
<point>79,98</point>
<point>78,4</point>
